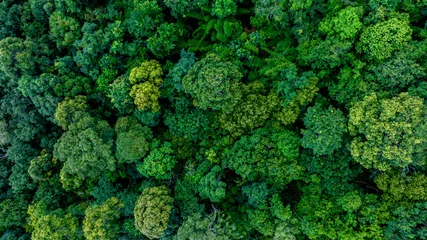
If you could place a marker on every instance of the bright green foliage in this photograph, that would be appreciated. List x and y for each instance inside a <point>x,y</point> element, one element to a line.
<point>300,5</point>
<point>398,187</point>
<point>227,30</point>
<point>349,216</point>
<point>210,186</point>
<point>213,83</point>
<point>379,41</point>
<point>70,110</point>
<point>146,96</point>
<point>346,23</point>
<point>57,225</point>
<point>351,85</point>
<point>251,112</point>
<point>388,132</point>
<point>266,154</point>
<point>224,8</point>
<point>85,150</point>
<point>100,221</point>
<point>147,72</point>
<point>159,163</point>
<point>215,226</point>
<point>132,140</point>
<point>324,129</point>
<point>152,211</point>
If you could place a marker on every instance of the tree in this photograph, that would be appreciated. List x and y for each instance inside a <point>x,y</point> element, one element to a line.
<point>224,8</point>
<point>173,80</point>
<point>267,154</point>
<point>186,197</point>
<point>273,219</point>
<point>397,187</point>
<point>388,132</point>
<point>397,72</point>
<point>210,186</point>
<point>100,221</point>
<point>64,30</point>
<point>142,18</point>
<point>213,83</point>
<point>13,212</point>
<point>133,140</point>
<point>10,19</point>
<point>345,24</point>
<point>188,8</point>
<point>70,111</point>
<point>335,172</point>
<point>324,129</point>
<point>251,112</point>
<point>55,225</point>
<point>159,163</point>
<point>146,94</point>
<point>215,226</point>
<point>41,167</point>
<point>379,41</point>
<point>149,71</point>
<point>187,121</point>
<point>408,222</point>
<point>165,39</point>
<point>352,215</point>
<point>120,95</point>
<point>86,150</point>
<point>152,211</point>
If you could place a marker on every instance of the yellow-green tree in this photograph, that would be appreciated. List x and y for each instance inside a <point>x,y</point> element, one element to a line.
<point>152,211</point>
<point>100,221</point>
<point>389,132</point>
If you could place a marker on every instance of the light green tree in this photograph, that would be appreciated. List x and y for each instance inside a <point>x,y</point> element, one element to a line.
<point>388,132</point>
<point>100,221</point>
<point>152,211</point>
<point>379,41</point>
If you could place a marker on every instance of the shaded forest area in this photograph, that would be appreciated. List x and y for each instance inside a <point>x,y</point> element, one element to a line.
<point>213,119</point>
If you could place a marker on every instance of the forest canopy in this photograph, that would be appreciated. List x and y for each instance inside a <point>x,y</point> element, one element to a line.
<point>213,119</point>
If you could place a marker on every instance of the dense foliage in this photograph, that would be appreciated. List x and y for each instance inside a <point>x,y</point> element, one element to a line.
<point>213,119</point>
